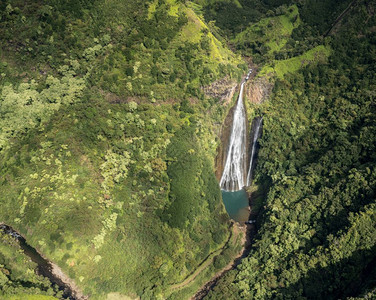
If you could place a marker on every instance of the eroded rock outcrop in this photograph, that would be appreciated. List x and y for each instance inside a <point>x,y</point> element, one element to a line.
<point>223,89</point>
<point>225,132</point>
<point>258,90</point>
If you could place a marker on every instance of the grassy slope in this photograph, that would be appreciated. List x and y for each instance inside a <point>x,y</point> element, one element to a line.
<point>268,38</point>
<point>89,185</point>
<point>272,32</point>
<point>291,65</point>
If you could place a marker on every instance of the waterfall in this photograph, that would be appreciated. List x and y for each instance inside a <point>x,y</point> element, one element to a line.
<point>257,124</point>
<point>234,173</point>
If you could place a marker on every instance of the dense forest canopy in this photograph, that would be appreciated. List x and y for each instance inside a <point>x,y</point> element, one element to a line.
<point>108,138</point>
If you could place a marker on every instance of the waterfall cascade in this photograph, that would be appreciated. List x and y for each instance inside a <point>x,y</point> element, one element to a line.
<point>256,133</point>
<point>234,175</point>
<point>237,173</point>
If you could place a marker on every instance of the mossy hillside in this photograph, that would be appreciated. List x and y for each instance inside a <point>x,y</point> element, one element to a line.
<point>171,65</point>
<point>96,185</point>
<point>194,55</point>
<point>176,60</point>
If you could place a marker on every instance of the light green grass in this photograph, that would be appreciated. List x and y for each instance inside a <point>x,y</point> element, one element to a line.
<point>291,65</point>
<point>192,32</point>
<point>174,8</point>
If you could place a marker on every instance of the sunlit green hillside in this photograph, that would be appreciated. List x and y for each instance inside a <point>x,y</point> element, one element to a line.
<point>106,164</point>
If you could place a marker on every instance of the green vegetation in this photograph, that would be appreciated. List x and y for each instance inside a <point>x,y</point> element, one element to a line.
<point>233,16</point>
<point>275,43</point>
<point>267,37</point>
<point>214,263</point>
<point>107,143</point>
<point>161,54</point>
<point>320,14</point>
<point>316,237</point>
<point>280,68</point>
<point>103,125</point>
<point>25,107</point>
<point>89,227</point>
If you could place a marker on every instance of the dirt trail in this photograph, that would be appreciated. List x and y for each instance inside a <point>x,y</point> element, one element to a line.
<point>208,261</point>
<point>249,232</point>
<point>193,276</point>
<point>340,17</point>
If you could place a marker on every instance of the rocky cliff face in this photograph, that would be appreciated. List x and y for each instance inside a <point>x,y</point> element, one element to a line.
<point>258,90</point>
<point>223,89</point>
<point>220,160</point>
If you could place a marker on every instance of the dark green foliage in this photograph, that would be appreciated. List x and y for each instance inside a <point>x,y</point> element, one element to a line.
<point>232,17</point>
<point>72,7</point>
<point>320,14</point>
<point>192,184</point>
<point>183,170</point>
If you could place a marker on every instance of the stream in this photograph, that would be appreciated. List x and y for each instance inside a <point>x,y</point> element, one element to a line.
<point>44,268</point>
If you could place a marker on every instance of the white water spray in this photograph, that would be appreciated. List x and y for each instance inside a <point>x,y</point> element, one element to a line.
<point>234,173</point>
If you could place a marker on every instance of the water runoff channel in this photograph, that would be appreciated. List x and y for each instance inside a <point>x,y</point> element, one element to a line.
<point>44,267</point>
<point>240,160</point>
